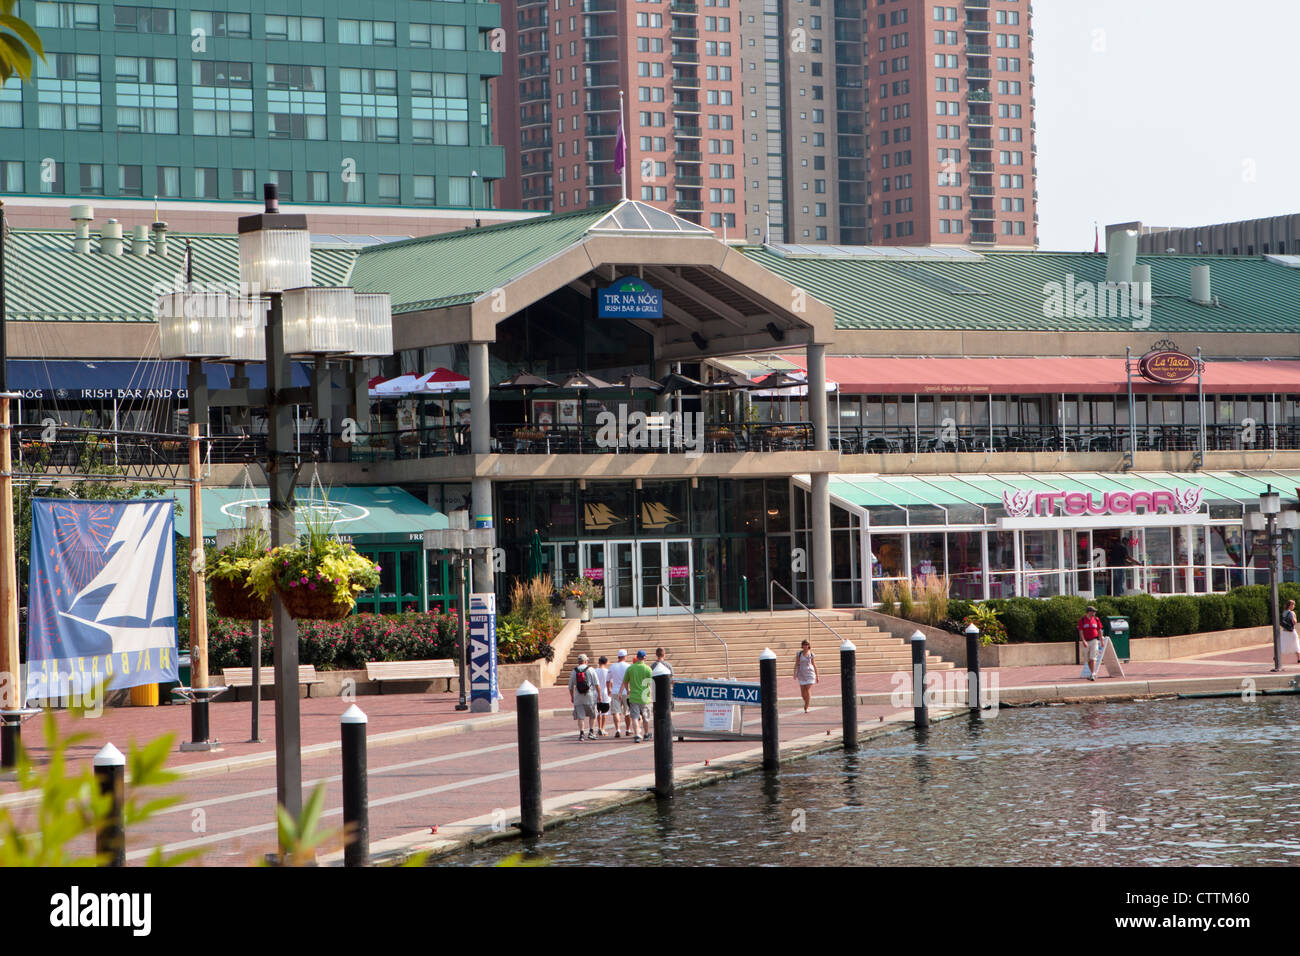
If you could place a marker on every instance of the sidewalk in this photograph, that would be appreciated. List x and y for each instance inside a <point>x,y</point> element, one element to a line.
<point>430,765</point>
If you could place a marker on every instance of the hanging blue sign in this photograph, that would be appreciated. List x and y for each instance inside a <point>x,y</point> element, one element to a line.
<point>102,596</point>
<point>631,298</point>
<point>483,693</point>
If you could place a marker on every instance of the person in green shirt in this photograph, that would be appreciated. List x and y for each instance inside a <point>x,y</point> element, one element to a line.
<point>636,683</point>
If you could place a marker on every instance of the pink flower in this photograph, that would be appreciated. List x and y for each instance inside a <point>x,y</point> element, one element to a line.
<point>293,584</point>
<point>312,587</point>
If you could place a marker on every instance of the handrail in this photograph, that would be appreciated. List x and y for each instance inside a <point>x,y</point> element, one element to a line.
<point>695,620</point>
<point>811,613</point>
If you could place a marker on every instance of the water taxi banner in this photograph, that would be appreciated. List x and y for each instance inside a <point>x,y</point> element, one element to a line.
<point>102,596</point>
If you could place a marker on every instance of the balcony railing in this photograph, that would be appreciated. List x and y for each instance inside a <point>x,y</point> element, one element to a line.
<point>687,82</point>
<point>681,6</point>
<point>687,132</point>
<point>977,120</point>
<point>689,180</point>
<point>686,32</point>
<point>979,96</point>
<point>974,73</point>
<point>688,156</point>
<point>978,49</point>
<point>975,190</point>
<point>980,142</point>
<point>977,26</point>
<point>982,215</point>
<point>688,205</point>
<point>866,440</point>
<point>684,57</point>
<point>686,105</point>
<point>985,238</point>
<point>981,167</point>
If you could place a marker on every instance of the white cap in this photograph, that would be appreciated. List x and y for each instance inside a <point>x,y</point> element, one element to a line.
<point>109,756</point>
<point>767,655</point>
<point>918,636</point>
<point>354,715</point>
<point>848,645</point>
<point>581,658</point>
<point>971,628</point>
<point>526,689</point>
<point>622,653</point>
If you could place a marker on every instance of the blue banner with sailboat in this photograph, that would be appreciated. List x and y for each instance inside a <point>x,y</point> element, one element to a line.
<point>102,596</point>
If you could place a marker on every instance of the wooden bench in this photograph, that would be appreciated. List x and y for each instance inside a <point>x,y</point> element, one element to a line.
<point>380,671</point>
<point>237,677</point>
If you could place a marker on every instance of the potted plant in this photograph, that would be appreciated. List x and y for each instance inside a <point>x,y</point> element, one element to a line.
<point>228,569</point>
<point>584,592</point>
<point>319,578</point>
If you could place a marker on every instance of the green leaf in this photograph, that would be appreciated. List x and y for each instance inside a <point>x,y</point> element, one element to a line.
<point>25,33</point>
<point>14,58</point>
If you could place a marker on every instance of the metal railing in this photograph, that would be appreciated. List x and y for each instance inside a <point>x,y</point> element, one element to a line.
<point>812,615</point>
<point>695,622</point>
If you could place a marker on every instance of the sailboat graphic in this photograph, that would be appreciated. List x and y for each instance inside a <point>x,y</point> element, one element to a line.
<point>132,598</point>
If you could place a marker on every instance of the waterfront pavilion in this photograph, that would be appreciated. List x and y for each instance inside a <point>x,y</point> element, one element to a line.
<point>672,501</point>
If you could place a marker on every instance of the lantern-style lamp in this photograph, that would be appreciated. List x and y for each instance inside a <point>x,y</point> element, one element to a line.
<point>274,249</point>
<point>248,328</point>
<point>193,325</point>
<point>374,325</point>
<point>320,320</point>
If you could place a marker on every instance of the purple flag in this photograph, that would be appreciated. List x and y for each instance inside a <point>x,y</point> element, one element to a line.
<point>620,148</point>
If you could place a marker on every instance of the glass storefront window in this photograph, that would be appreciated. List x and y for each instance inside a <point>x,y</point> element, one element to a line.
<point>1041,561</point>
<point>663,508</point>
<point>607,508</point>
<point>778,505</point>
<point>928,554</point>
<point>742,506</point>
<point>704,506</point>
<point>1159,561</point>
<point>1002,564</point>
<point>966,565</point>
<point>887,516</point>
<point>555,509</point>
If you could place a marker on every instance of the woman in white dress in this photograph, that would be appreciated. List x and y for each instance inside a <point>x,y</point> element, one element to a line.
<point>805,672</point>
<point>1290,640</point>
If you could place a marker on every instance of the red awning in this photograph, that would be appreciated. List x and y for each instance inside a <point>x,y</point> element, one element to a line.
<point>1041,376</point>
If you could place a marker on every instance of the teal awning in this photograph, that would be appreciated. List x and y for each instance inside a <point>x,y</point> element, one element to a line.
<point>362,515</point>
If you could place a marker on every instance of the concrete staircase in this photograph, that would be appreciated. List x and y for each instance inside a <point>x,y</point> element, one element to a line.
<point>746,635</point>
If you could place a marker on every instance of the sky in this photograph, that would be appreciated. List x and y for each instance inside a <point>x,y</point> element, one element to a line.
<point>1168,112</point>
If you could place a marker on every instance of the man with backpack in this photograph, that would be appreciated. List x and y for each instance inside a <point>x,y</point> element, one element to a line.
<point>582,693</point>
<point>1090,635</point>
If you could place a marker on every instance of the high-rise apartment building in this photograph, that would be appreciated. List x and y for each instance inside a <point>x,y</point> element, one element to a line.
<point>382,104</point>
<point>677,64</point>
<point>889,122</point>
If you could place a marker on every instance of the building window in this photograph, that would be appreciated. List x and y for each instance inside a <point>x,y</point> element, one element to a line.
<point>11,176</point>
<point>147,95</point>
<point>68,16</point>
<point>440,108</point>
<point>438,36</point>
<point>422,191</point>
<point>390,189</point>
<point>223,98</point>
<point>295,100</point>
<point>244,182</point>
<point>68,92</point>
<point>318,187</point>
<point>368,104</point>
<point>144,20</point>
<point>283,179</point>
<point>305,29</point>
<point>11,104</point>
<point>130,181</point>
<point>92,179</point>
<point>368,32</point>
<point>52,177</point>
<point>458,191</point>
<point>216,24</point>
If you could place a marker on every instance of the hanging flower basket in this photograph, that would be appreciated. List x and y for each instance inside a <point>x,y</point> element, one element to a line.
<point>234,600</point>
<point>319,605</point>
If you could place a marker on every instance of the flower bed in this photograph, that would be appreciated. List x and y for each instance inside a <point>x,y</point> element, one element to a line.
<point>341,645</point>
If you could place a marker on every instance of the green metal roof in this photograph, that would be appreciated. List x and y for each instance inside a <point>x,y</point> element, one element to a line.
<point>1004,291</point>
<point>455,268</point>
<point>363,515</point>
<point>47,281</point>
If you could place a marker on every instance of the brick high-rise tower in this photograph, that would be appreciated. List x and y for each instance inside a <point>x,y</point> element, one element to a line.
<point>677,64</point>
<point>930,101</point>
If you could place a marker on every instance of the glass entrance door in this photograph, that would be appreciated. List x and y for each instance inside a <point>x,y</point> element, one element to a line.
<point>1081,578</point>
<point>635,573</point>
<point>620,578</point>
<point>593,568</point>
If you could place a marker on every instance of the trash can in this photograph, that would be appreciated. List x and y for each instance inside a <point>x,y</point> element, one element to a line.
<point>144,695</point>
<point>183,670</point>
<point>1116,631</point>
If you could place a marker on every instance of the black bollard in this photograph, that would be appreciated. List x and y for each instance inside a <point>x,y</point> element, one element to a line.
<point>356,807</point>
<point>920,713</point>
<point>663,732</point>
<point>529,728</point>
<point>11,731</point>
<point>973,667</point>
<point>110,774</point>
<point>849,694</point>
<point>199,720</point>
<point>256,716</point>
<point>767,704</point>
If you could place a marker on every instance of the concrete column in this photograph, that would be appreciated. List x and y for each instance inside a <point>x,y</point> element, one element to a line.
<point>480,428</point>
<point>821,540</point>
<point>817,396</point>
<point>662,400</point>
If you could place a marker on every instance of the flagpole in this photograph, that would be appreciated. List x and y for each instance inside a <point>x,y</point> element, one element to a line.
<point>622,128</point>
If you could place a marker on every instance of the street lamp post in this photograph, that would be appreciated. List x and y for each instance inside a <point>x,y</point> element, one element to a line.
<point>1274,521</point>
<point>284,316</point>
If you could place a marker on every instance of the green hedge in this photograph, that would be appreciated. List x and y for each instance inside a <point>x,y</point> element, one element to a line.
<point>1031,620</point>
<point>340,645</point>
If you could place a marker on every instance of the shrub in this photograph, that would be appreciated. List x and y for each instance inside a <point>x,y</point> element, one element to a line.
<point>889,598</point>
<point>341,645</point>
<point>1178,614</point>
<point>1247,609</point>
<point>986,619</point>
<point>1141,610</point>
<point>1216,612</point>
<point>959,609</point>
<point>1020,618</point>
<point>1058,618</point>
<point>1107,607</point>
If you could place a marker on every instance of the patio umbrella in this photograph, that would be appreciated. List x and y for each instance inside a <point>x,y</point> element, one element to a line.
<point>535,556</point>
<point>633,381</point>
<point>522,382</point>
<point>581,383</point>
<point>672,382</point>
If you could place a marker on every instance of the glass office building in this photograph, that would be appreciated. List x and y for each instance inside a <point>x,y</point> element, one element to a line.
<point>208,104</point>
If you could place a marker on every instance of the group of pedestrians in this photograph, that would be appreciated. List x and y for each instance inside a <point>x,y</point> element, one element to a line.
<point>623,690</point>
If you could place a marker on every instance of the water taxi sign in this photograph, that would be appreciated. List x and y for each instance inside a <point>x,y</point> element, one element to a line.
<point>631,298</point>
<point>727,692</point>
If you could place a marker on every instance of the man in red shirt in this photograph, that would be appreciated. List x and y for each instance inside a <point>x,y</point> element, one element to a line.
<point>1090,636</point>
